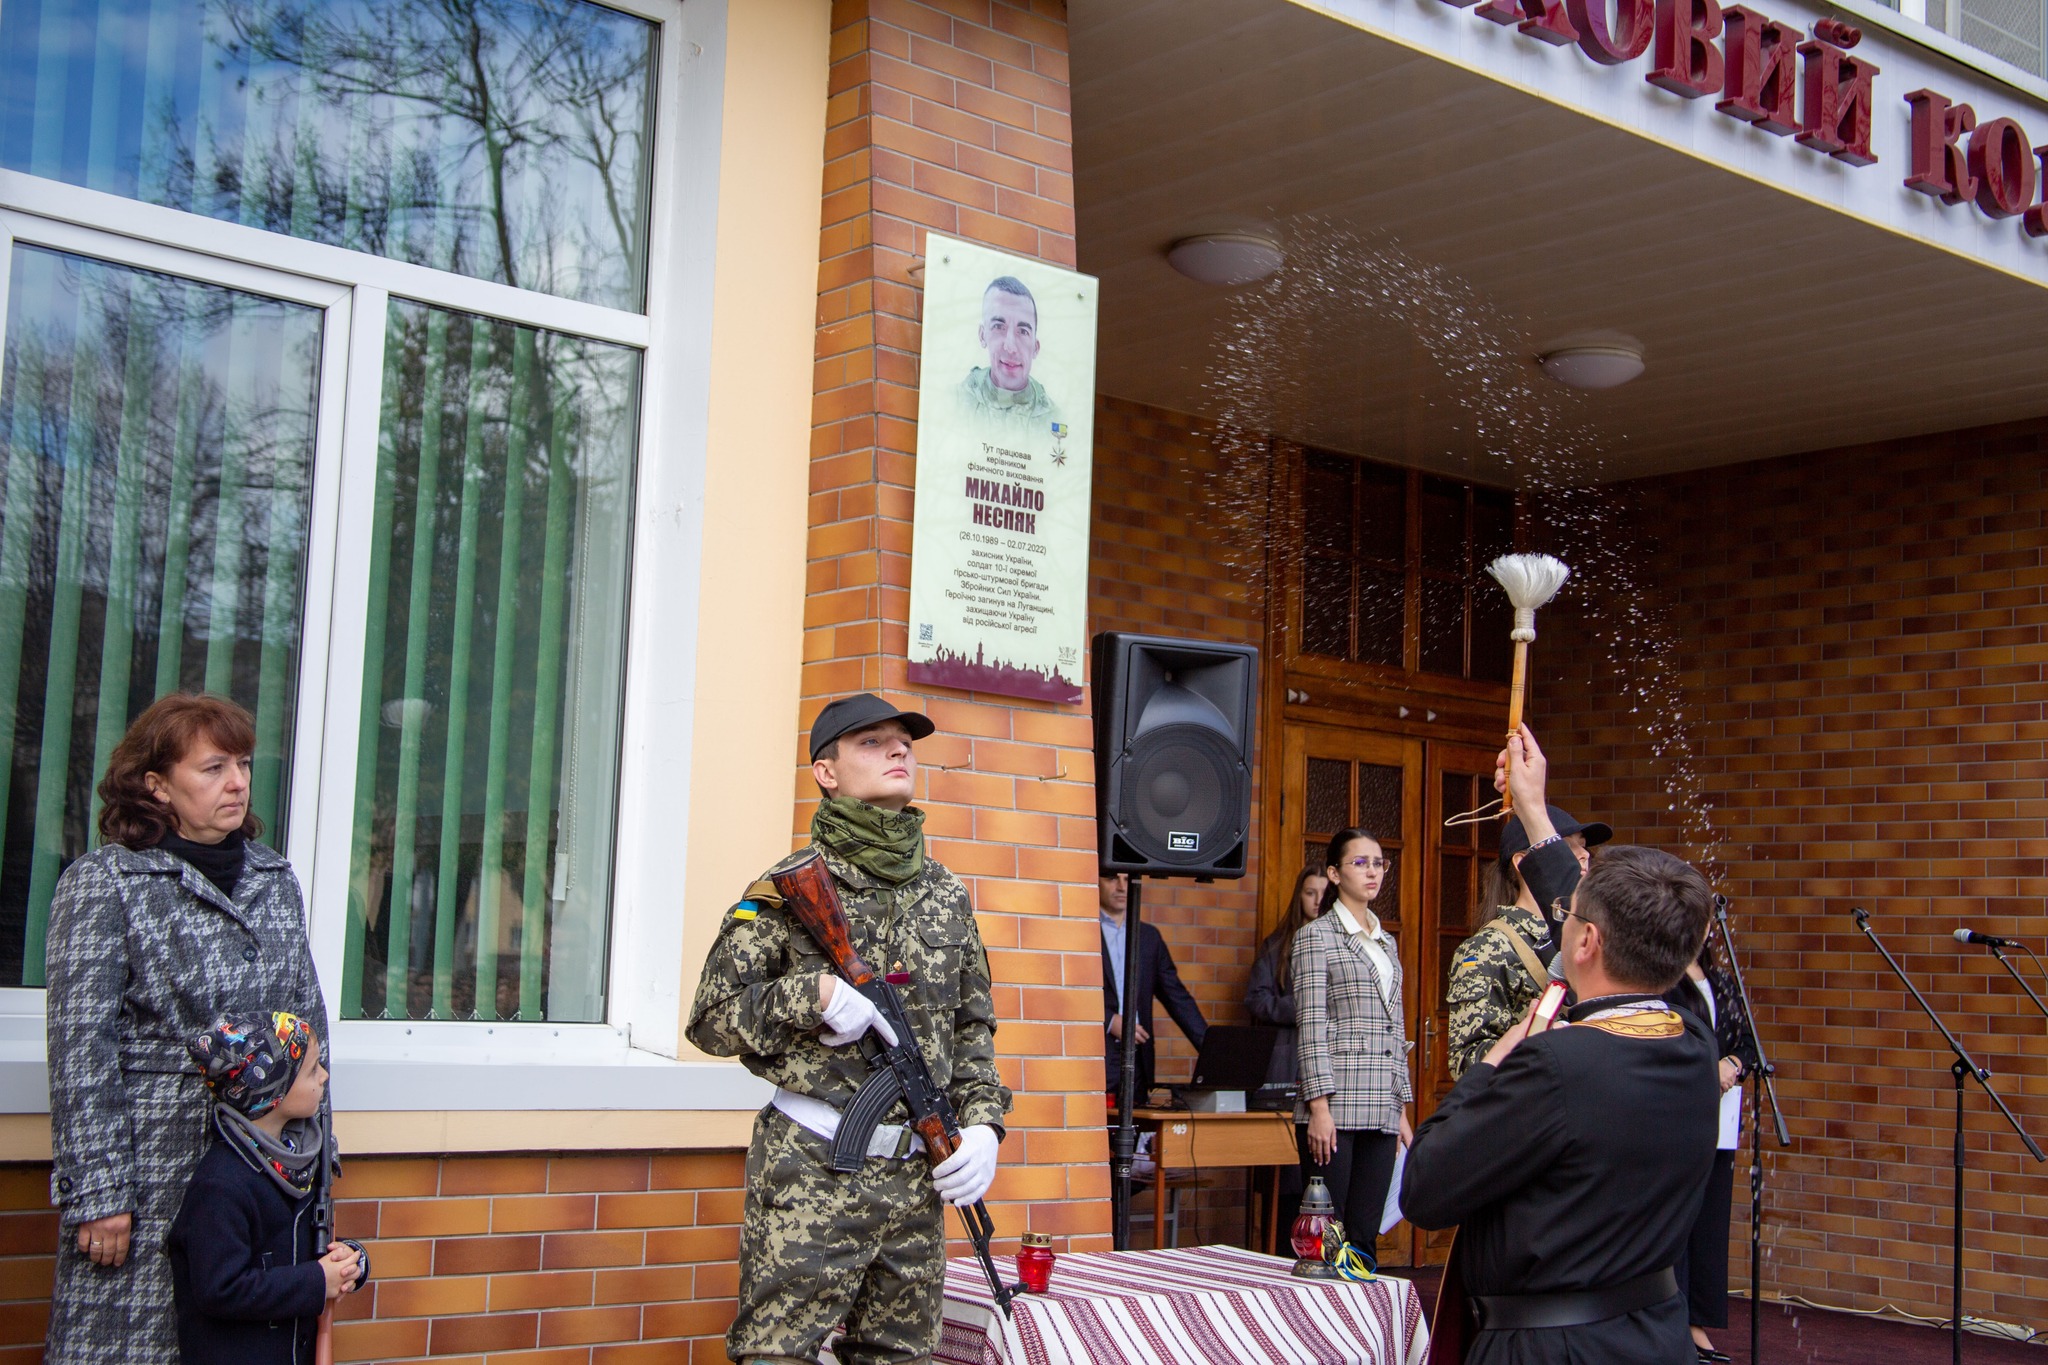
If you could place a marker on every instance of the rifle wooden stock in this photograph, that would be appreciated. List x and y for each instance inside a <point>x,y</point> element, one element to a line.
<point>938,1143</point>
<point>808,891</point>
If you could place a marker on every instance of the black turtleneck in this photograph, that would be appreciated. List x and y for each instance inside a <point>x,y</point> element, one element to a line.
<point>219,863</point>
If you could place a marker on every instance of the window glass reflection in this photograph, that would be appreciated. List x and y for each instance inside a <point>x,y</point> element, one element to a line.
<point>156,454</point>
<point>501,139</point>
<point>480,877</point>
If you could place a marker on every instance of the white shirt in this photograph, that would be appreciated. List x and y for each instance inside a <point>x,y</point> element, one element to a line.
<point>1113,940</point>
<point>1378,947</point>
<point>1731,1100</point>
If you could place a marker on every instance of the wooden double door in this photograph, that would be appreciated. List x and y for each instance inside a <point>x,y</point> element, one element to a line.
<point>1402,788</point>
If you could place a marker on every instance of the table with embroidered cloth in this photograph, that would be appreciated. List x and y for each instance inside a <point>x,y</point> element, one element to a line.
<point>1213,1305</point>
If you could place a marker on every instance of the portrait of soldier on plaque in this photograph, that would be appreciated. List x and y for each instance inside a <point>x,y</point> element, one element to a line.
<point>1002,390</point>
<point>1005,421</point>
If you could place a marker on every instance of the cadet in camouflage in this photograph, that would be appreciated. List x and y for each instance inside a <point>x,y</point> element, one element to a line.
<point>866,1249</point>
<point>1491,984</point>
<point>1505,963</point>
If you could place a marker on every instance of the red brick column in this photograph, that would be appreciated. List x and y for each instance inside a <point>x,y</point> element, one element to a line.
<point>952,116</point>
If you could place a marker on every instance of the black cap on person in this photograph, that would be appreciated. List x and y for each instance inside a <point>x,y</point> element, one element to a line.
<point>858,712</point>
<point>1514,839</point>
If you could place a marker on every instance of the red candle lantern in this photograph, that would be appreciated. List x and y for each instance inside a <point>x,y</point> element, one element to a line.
<point>1034,1263</point>
<point>1317,1217</point>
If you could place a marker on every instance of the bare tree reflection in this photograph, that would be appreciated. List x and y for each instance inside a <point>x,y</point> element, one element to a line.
<point>511,130</point>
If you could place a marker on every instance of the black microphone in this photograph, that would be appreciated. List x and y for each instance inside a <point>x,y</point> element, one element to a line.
<point>1972,936</point>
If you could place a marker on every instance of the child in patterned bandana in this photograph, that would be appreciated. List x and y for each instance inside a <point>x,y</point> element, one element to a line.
<point>243,1258</point>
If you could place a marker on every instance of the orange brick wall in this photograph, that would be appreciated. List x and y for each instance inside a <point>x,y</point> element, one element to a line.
<point>952,116</point>
<point>28,1239</point>
<point>1861,634</point>
<point>541,1259</point>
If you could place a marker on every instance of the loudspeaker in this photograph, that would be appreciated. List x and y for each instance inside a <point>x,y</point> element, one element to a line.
<point>1173,740</point>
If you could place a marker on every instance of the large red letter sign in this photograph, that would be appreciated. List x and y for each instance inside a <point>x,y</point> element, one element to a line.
<point>1835,117</point>
<point>1763,71</point>
<point>1633,22</point>
<point>1686,62</point>
<point>2004,167</point>
<point>1940,167</point>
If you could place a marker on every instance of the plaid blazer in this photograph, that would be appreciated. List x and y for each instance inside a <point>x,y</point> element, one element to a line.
<point>1351,1047</point>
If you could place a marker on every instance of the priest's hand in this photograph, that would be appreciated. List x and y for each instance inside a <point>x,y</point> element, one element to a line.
<point>1522,771</point>
<point>965,1176</point>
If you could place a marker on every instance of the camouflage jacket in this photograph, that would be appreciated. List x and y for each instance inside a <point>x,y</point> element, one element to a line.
<point>758,997</point>
<point>1491,986</point>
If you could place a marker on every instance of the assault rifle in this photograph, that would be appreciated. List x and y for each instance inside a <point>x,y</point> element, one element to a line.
<point>894,1073</point>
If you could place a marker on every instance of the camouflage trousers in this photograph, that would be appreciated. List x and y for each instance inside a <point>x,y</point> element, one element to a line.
<point>818,1248</point>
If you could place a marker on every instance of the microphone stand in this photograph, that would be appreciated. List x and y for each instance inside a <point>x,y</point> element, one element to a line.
<point>1765,1074</point>
<point>1965,1065</point>
<point>1999,953</point>
<point>1123,1145</point>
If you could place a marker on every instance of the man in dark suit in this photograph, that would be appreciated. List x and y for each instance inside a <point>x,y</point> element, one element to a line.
<point>1156,977</point>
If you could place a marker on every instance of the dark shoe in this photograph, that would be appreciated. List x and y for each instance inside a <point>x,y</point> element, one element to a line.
<point>1710,1356</point>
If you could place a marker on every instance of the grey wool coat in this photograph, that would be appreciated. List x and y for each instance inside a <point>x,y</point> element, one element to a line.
<point>143,952</point>
<point>1351,1047</point>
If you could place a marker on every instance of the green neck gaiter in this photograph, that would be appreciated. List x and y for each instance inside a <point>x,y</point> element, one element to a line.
<point>887,845</point>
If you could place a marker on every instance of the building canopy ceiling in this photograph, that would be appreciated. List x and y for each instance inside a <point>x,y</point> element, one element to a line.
<point>1443,229</point>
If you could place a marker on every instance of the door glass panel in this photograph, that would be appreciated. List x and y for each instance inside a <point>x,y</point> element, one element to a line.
<point>1329,795</point>
<point>1456,801</point>
<point>1382,616</point>
<point>1443,526</point>
<point>1454,889</point>
<point>158,444</point>
<point>1379,801</point>
<point>1326,504</point>
<point>1388,904</point>
<point>1326,608</point>
<point>1443,627</point>
<point>1382,512</point>
<point>502,139</point>
<point>480,877</point>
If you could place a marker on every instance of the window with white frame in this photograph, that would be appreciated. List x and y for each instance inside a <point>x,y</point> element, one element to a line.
<point>212,212</point>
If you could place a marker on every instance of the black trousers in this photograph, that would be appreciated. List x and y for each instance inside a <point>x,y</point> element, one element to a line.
<point>1358,1174</point>
<point>1703,1269</point>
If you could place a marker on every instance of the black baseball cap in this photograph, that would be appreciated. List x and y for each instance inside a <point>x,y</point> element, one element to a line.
<point>1514,839</point>
<point>858,712</point>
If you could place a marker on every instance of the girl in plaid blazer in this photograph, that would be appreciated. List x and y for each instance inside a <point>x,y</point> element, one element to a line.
<point>1351,1042</point>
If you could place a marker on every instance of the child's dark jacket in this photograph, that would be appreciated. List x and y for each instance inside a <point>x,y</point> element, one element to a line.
<point>249,1285</point>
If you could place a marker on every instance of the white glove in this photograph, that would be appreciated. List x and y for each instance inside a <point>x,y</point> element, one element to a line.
<point>849,1014</point>
<point>965,1176</point>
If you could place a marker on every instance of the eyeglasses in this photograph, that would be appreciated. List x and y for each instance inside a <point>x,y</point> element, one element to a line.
<point>1369,864</point>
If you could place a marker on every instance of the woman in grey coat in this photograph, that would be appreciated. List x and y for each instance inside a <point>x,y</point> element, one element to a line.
<point>179,915</point>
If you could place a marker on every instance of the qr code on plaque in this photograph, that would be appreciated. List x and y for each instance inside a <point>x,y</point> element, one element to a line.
<point>924,632</point>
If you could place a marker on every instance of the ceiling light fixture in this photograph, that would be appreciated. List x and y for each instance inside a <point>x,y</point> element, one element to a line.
<point>1593,367</point>
<point>1226,257</point>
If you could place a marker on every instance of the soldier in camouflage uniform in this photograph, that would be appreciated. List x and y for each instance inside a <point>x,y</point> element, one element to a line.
<point>1502,967</point>
<point>818,1248</point>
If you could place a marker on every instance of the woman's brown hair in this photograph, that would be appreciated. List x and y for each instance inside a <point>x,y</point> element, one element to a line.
<point>165,732</point>
<point>1281,940</point>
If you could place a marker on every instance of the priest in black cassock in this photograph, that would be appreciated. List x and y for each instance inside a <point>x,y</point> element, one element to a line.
<point>1573,1161</point>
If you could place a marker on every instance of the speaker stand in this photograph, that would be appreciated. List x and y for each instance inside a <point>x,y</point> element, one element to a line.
<point>1123,1144</point>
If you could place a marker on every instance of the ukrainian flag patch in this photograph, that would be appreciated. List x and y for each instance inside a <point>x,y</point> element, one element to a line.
<point>745,910</point>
